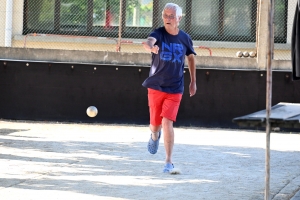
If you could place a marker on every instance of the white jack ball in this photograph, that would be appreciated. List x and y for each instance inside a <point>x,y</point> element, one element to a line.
<point>92,111</point>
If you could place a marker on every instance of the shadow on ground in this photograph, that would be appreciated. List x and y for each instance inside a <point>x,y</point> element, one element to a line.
<point>126,170</point>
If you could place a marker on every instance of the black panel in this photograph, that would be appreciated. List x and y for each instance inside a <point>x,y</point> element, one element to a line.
<point>60,92</point>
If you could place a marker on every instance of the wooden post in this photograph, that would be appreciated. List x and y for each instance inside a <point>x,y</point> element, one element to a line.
<point>269,94</point>
<point>262,34</point>
<point>120,26</point>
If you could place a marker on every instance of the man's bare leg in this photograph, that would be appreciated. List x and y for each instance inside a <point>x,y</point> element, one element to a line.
<point>154,130</point>
<point>168,131</point>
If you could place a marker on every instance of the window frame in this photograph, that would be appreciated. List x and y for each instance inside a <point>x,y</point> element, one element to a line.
<point>143,32</point>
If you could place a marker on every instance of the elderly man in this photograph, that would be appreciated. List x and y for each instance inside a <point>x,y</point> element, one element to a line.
<point>169,46</point>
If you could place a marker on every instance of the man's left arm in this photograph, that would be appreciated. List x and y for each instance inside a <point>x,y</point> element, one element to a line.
<point>192,69</point>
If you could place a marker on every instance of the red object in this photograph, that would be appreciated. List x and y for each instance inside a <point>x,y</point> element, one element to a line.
<point>162,104</point>
<point>108,19</point>
<point>203,47</point>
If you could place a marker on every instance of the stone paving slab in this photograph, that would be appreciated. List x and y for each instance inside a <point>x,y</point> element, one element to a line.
<point>40,160</point>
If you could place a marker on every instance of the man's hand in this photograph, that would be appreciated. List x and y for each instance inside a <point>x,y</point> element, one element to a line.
<point>192,88</point>
<point>149,45</point>
<point>192,69</point>
<point>153,49</point>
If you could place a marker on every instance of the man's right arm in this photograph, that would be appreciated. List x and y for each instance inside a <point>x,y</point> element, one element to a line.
<point>149,45</point>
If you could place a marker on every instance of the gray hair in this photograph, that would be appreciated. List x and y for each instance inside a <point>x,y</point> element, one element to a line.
<point>175,7</point>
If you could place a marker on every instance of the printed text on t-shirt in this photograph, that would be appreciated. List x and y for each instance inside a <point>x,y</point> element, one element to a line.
<point>172,52</point>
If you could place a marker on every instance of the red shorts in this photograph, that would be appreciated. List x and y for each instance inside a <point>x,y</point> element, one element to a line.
<point>162,104</point>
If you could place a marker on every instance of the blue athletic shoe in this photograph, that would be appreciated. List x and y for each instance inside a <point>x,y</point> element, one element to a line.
<point>153,145</point>
<point>168,168</point>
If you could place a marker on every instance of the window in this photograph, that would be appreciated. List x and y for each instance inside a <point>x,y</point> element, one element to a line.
<point>140,14</point>
<point>223,20</point>
<point>88,17</point>
<point>72,15</point>
<point>211,20</point>
<point>280,21</point>
<point>39,14</point>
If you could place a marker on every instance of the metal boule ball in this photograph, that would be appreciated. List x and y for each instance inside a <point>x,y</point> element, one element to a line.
<point>252,54</point>
<point>245,54</point>
<point>239,54</point>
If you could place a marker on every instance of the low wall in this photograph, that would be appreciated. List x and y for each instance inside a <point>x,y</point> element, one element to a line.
<point>119,58</point>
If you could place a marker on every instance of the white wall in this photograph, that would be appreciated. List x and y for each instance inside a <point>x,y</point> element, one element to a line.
<point>17,24</point>
<point>2,21</point>
<point>18,17</point>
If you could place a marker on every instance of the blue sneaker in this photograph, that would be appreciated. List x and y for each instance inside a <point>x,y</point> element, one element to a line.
<point>153,145</point>
<point>168,168</point>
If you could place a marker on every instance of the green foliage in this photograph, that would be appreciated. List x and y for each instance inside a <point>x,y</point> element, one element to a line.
<point>113,6</point>
<point>73,12</point>
<point>47,11</point>
<point>145,13</point>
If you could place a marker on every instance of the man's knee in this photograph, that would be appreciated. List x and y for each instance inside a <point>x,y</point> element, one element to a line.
<point>167,122</point>
<point>155,129</point>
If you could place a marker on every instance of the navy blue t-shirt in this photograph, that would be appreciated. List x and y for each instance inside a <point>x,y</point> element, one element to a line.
<point>166,72</point>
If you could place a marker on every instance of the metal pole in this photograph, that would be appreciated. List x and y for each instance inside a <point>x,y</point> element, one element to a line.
<point>120,26</point>
<point>269,95</point>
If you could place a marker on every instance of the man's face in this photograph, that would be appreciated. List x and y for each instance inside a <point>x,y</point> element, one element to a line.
<point>170,19</point>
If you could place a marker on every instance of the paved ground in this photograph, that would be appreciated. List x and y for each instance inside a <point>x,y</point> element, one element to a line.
<point>98,161</point>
